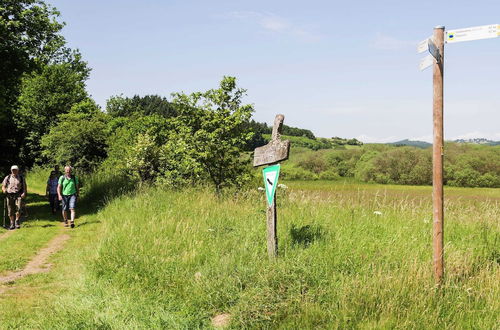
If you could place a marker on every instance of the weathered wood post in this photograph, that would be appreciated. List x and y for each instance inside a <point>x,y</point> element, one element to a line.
<point>270,154</point>
<point>437,157</point>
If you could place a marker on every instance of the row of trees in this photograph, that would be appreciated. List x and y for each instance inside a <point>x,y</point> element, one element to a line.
<point>47,116</point>
<point>465,165</point>
<point>191,139</point>
<point>40,78</point>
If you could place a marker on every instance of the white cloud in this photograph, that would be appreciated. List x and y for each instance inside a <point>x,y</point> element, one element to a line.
<point>273,23</point>
<point>385,42</point>
<point>276,24</point>
<point>425,138</point>
<point>370,139</point>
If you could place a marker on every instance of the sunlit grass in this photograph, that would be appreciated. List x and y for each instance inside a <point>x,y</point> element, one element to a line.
<point>175,259</point>
<point>350,256</point>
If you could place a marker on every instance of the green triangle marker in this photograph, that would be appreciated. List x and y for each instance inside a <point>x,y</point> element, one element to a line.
<point>271,174</point>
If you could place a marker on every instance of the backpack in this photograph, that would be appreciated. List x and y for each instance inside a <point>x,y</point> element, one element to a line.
<point>22,182</point>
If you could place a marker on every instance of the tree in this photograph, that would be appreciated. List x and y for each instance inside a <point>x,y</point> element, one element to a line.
<point>79,139</point>
<point>217,131</point>
<point>44,96</point>
<point>29,38</point>
<point>119,106</point>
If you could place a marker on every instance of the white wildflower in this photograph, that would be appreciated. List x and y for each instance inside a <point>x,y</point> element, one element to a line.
<point>377,213</point>
<point>261,189</point>
<point>282,186</point>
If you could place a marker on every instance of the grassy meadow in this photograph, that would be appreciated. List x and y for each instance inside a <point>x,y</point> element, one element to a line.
<point>351,256</point>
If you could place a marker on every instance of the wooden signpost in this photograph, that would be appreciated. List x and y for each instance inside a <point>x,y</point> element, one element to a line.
<point>270,154</point>
<point>435,46</point>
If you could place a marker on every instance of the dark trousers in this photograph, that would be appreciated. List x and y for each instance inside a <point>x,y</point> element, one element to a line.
<point>54,202</point>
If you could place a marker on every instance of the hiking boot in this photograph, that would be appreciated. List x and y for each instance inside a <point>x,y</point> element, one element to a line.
<point>17,224</point>
<point>72,224</point>
<point>12,227</point>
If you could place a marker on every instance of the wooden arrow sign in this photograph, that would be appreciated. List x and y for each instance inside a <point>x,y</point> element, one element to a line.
<point>276,150</point>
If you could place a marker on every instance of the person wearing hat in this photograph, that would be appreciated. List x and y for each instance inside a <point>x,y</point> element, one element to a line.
<point>14,186</point>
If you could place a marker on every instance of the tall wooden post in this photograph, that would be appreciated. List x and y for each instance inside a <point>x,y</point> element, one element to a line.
<point>272,230</point>
<point>437,157</point>
<point>272,153</point>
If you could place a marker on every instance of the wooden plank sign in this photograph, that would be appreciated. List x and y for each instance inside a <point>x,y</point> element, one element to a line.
<point>276,150</point>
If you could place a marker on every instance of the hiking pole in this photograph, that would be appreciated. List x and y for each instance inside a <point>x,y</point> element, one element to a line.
<point>4,210</point>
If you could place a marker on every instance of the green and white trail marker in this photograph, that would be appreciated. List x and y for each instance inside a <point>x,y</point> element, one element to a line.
<point>271,175</point>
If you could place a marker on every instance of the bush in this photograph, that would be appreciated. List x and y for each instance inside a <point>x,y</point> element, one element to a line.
<point>297,173</point>
<point>79,139</point>
<point>330,174</point>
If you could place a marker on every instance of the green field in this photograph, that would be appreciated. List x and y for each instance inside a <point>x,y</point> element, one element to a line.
<point>163,259</point>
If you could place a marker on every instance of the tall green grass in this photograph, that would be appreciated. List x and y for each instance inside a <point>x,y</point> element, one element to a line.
<point>351,256</point>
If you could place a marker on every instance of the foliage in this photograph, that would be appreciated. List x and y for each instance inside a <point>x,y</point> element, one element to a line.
<point>203,141</point>
<point>44,96</point>
<point>468,165</point>
<point>295,131</point>
<point>296,141</point>
<point>29,39</point>
<point>119,106</point>
<point>465,165</point>
<point>134,145</point>
<point>258,139</point>
<point>79,139</point>
<point>215,126</point>
<point>405,165</point>
<point>340,141</point>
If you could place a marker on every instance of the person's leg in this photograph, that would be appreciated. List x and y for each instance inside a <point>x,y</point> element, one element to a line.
<point>52,203</point>
<point>19,205</point>
<point>65,207</point>
<point>11,209</point>
<point>72,206</point>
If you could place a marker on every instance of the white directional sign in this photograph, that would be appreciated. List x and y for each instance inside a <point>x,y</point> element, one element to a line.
<point>423,45</point>
<point>473,33</point>
<point>426,62</point>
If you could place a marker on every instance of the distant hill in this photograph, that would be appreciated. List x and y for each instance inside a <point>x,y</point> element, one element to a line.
<point>479,141</point>
<point>418,144</point>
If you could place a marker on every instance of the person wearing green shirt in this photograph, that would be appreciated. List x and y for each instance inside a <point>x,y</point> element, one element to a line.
<point>68,190</point>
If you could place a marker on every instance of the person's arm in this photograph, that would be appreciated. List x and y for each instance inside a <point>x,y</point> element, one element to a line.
<point>4,184</point>
<point>25,190</point>
<point>59,190</point>
<point>47,189</point>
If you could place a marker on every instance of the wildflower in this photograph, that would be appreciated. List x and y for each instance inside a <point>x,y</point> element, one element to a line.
<point>261,189</point>
<point>282,186</point>
<point>377,213</point>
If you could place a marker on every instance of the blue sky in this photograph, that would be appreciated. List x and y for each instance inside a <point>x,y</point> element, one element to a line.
<point>338,68</point>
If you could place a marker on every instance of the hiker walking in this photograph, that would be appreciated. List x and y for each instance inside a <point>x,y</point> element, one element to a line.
<point>51,191</point>
<point>14,186</point>
<point>57,171</point>
<point>68,189</point>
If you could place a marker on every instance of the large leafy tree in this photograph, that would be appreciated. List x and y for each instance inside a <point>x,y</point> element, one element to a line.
<point>218,129</point>
<point>29,38</point>
<point>46,94</point>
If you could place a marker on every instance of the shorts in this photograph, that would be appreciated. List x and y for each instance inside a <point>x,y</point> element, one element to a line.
<point>68,202</point>
<point>13,204</point>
